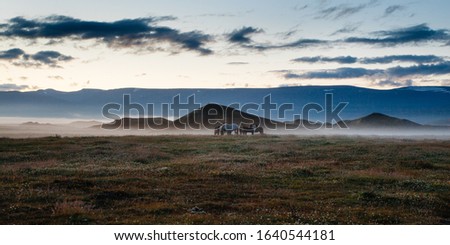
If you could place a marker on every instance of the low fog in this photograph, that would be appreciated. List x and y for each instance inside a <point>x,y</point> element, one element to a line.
<point>14,128</point>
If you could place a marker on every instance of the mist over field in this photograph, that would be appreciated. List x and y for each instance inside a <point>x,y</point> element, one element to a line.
<point>67,128</point>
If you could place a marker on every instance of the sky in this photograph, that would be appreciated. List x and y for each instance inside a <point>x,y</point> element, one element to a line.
<point>108,44</point>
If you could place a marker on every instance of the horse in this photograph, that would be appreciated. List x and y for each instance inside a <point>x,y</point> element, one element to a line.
<point>252,129</point>
<point>228,128</point>
<point>217,130</point>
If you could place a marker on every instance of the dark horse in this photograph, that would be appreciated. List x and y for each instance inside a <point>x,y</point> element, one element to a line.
<point>228,128</point>
<point>252,129</point>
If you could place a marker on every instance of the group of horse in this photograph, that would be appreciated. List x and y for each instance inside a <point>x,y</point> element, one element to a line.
<point>230,128</point>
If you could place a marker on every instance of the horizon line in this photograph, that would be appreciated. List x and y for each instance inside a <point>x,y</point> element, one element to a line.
<point>223,88</point>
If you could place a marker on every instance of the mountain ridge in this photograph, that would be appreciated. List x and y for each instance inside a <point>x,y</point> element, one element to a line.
<point>424,105</point>
<point>202,119</point>
<point>379,120</point>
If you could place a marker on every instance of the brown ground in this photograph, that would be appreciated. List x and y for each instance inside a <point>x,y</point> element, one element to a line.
<point>224,180</point>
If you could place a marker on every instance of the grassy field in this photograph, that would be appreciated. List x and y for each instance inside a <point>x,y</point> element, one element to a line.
<point>224,180</point>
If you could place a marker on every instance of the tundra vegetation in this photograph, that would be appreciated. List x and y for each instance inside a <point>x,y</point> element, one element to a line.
<point>190,179</point>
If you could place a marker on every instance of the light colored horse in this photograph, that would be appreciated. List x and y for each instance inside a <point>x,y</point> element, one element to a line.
<point>229,128</point>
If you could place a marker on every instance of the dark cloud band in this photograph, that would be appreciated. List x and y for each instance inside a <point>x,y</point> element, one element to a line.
<point>11,54</point>
<point>442,68</point>
<point>321,59</point>
<point>409,35</point>
<point>243,38</point>
<point>141,32</point>
<point>18,57</point>
<point>413,34</point>
<point>418,59</point>
<point>242,35</point>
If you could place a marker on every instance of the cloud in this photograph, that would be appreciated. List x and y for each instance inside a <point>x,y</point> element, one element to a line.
<point>242,35</point>
<point>393,8</point>
<point>13,87</point>
<point>346,29</point>
<point>343,10</point>
<point>422,70</point>
<point>391,83</point>
<point>414,34</point>
<point>409,35</point>
<point>56,77</point>
<point>339,73</point>
<point>300,7</point>
<point>301,43</point>
<point>49,58</point>
<point>14,53</point>
<point>237,63</point>
<point>445,82</point>
<point>337,12</point>
<point>18,57</point>
<point>418,59</point>
<point>398,72</point>
<point>321,59</point>
<point>141,32</point>
<point>287,34</point>
<point>164,18</point>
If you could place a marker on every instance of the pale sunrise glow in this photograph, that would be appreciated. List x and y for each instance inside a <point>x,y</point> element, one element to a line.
<point>223,44</point>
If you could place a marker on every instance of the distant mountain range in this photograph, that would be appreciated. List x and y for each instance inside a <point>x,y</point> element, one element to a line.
<point>212,115</point>
<point>423,105</point>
